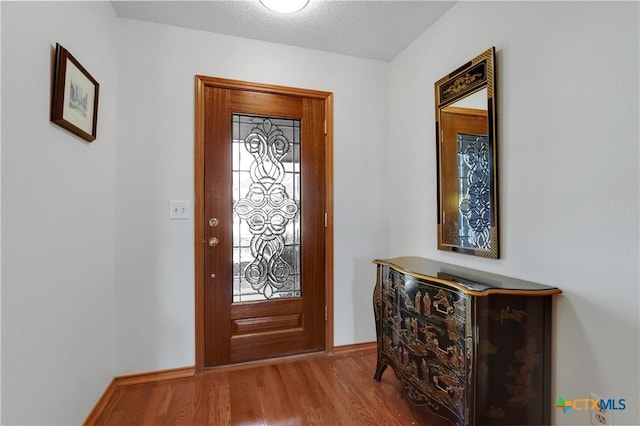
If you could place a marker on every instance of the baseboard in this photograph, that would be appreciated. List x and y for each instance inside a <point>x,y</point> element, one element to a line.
<point>134,379</point>
<point>155,376</point>
<point>98,409</point>
<point>355,347</point>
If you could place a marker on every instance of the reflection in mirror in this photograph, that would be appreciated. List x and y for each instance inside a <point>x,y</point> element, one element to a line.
<point>466,145</point>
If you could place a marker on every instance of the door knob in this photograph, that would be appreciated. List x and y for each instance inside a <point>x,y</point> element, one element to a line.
<point>213,242</point>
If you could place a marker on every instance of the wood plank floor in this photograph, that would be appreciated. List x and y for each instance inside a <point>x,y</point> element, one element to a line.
<point>313,390</point>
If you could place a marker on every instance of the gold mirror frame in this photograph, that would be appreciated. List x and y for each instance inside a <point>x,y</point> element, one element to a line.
<point>466,147</point>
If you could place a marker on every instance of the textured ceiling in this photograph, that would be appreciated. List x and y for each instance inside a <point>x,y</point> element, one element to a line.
<point>370,29</point>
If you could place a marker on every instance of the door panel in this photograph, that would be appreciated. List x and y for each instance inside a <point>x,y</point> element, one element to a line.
<point>456,122</point>
<point>313,220</point>
<point>217,205</point>
<point>269,104</point>
<point>256,137</point>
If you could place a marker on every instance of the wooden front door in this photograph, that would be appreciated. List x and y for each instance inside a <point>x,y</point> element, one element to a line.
<point>264,220</point>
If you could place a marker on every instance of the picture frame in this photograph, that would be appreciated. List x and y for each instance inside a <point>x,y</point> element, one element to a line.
<point>74,98</point>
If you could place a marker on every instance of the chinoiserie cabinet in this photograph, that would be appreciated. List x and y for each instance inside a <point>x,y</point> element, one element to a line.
<point>474,347</point>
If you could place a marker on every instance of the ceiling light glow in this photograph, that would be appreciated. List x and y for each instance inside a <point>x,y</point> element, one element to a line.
<point>284,6</point>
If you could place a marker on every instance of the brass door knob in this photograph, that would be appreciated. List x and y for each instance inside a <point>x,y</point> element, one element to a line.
<point>213,242</point>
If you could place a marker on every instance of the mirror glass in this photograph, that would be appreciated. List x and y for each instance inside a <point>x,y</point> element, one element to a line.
<point>467,158</point>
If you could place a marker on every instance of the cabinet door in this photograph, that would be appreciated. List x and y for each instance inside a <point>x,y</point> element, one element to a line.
<point>514,365</point>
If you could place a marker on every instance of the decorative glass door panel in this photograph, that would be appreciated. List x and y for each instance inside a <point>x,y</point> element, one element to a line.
<point>474,190</point>
<point>266,208</point>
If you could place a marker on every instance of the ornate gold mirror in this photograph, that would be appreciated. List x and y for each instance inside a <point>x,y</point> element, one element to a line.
<point>466,144</point>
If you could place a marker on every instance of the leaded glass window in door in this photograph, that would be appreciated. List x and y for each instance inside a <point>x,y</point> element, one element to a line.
<point>474,190</point>
<point>266,208</point>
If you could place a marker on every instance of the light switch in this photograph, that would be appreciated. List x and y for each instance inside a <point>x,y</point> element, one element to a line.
<point>180,209</point>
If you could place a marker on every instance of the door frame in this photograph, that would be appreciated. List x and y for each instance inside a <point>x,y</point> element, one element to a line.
<point>201,83</point>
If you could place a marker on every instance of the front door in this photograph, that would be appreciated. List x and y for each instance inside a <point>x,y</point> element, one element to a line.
<point>264,224</point>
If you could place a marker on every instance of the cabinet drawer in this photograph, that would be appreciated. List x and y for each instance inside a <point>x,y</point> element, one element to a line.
<point>431,318</point>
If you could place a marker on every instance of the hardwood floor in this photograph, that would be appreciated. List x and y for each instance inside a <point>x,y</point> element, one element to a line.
<point>312,390</point>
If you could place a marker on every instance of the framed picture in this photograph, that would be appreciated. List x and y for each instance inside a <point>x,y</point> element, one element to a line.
<point>74,99</point>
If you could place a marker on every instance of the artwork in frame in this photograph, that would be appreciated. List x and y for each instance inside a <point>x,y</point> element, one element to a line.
<point>74,99</point>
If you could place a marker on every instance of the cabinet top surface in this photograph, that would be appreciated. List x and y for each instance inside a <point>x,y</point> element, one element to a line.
<point>472,281</point>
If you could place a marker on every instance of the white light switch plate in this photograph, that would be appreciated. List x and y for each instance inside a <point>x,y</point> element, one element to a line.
<point>180,209</point>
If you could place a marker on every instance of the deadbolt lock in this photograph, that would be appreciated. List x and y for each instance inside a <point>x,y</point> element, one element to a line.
<point>213,222</point>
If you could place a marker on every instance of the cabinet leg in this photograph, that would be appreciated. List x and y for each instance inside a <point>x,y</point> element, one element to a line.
<point>379,370</point>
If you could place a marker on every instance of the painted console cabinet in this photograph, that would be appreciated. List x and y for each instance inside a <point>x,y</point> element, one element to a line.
<point>472,346</point>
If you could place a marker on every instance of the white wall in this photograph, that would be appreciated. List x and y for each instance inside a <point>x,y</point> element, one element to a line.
<point>155,272</point>
<point>569,185</point>
<point>58,218</point>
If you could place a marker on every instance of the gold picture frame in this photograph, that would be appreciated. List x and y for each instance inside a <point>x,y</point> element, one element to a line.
<point>467,155</point>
